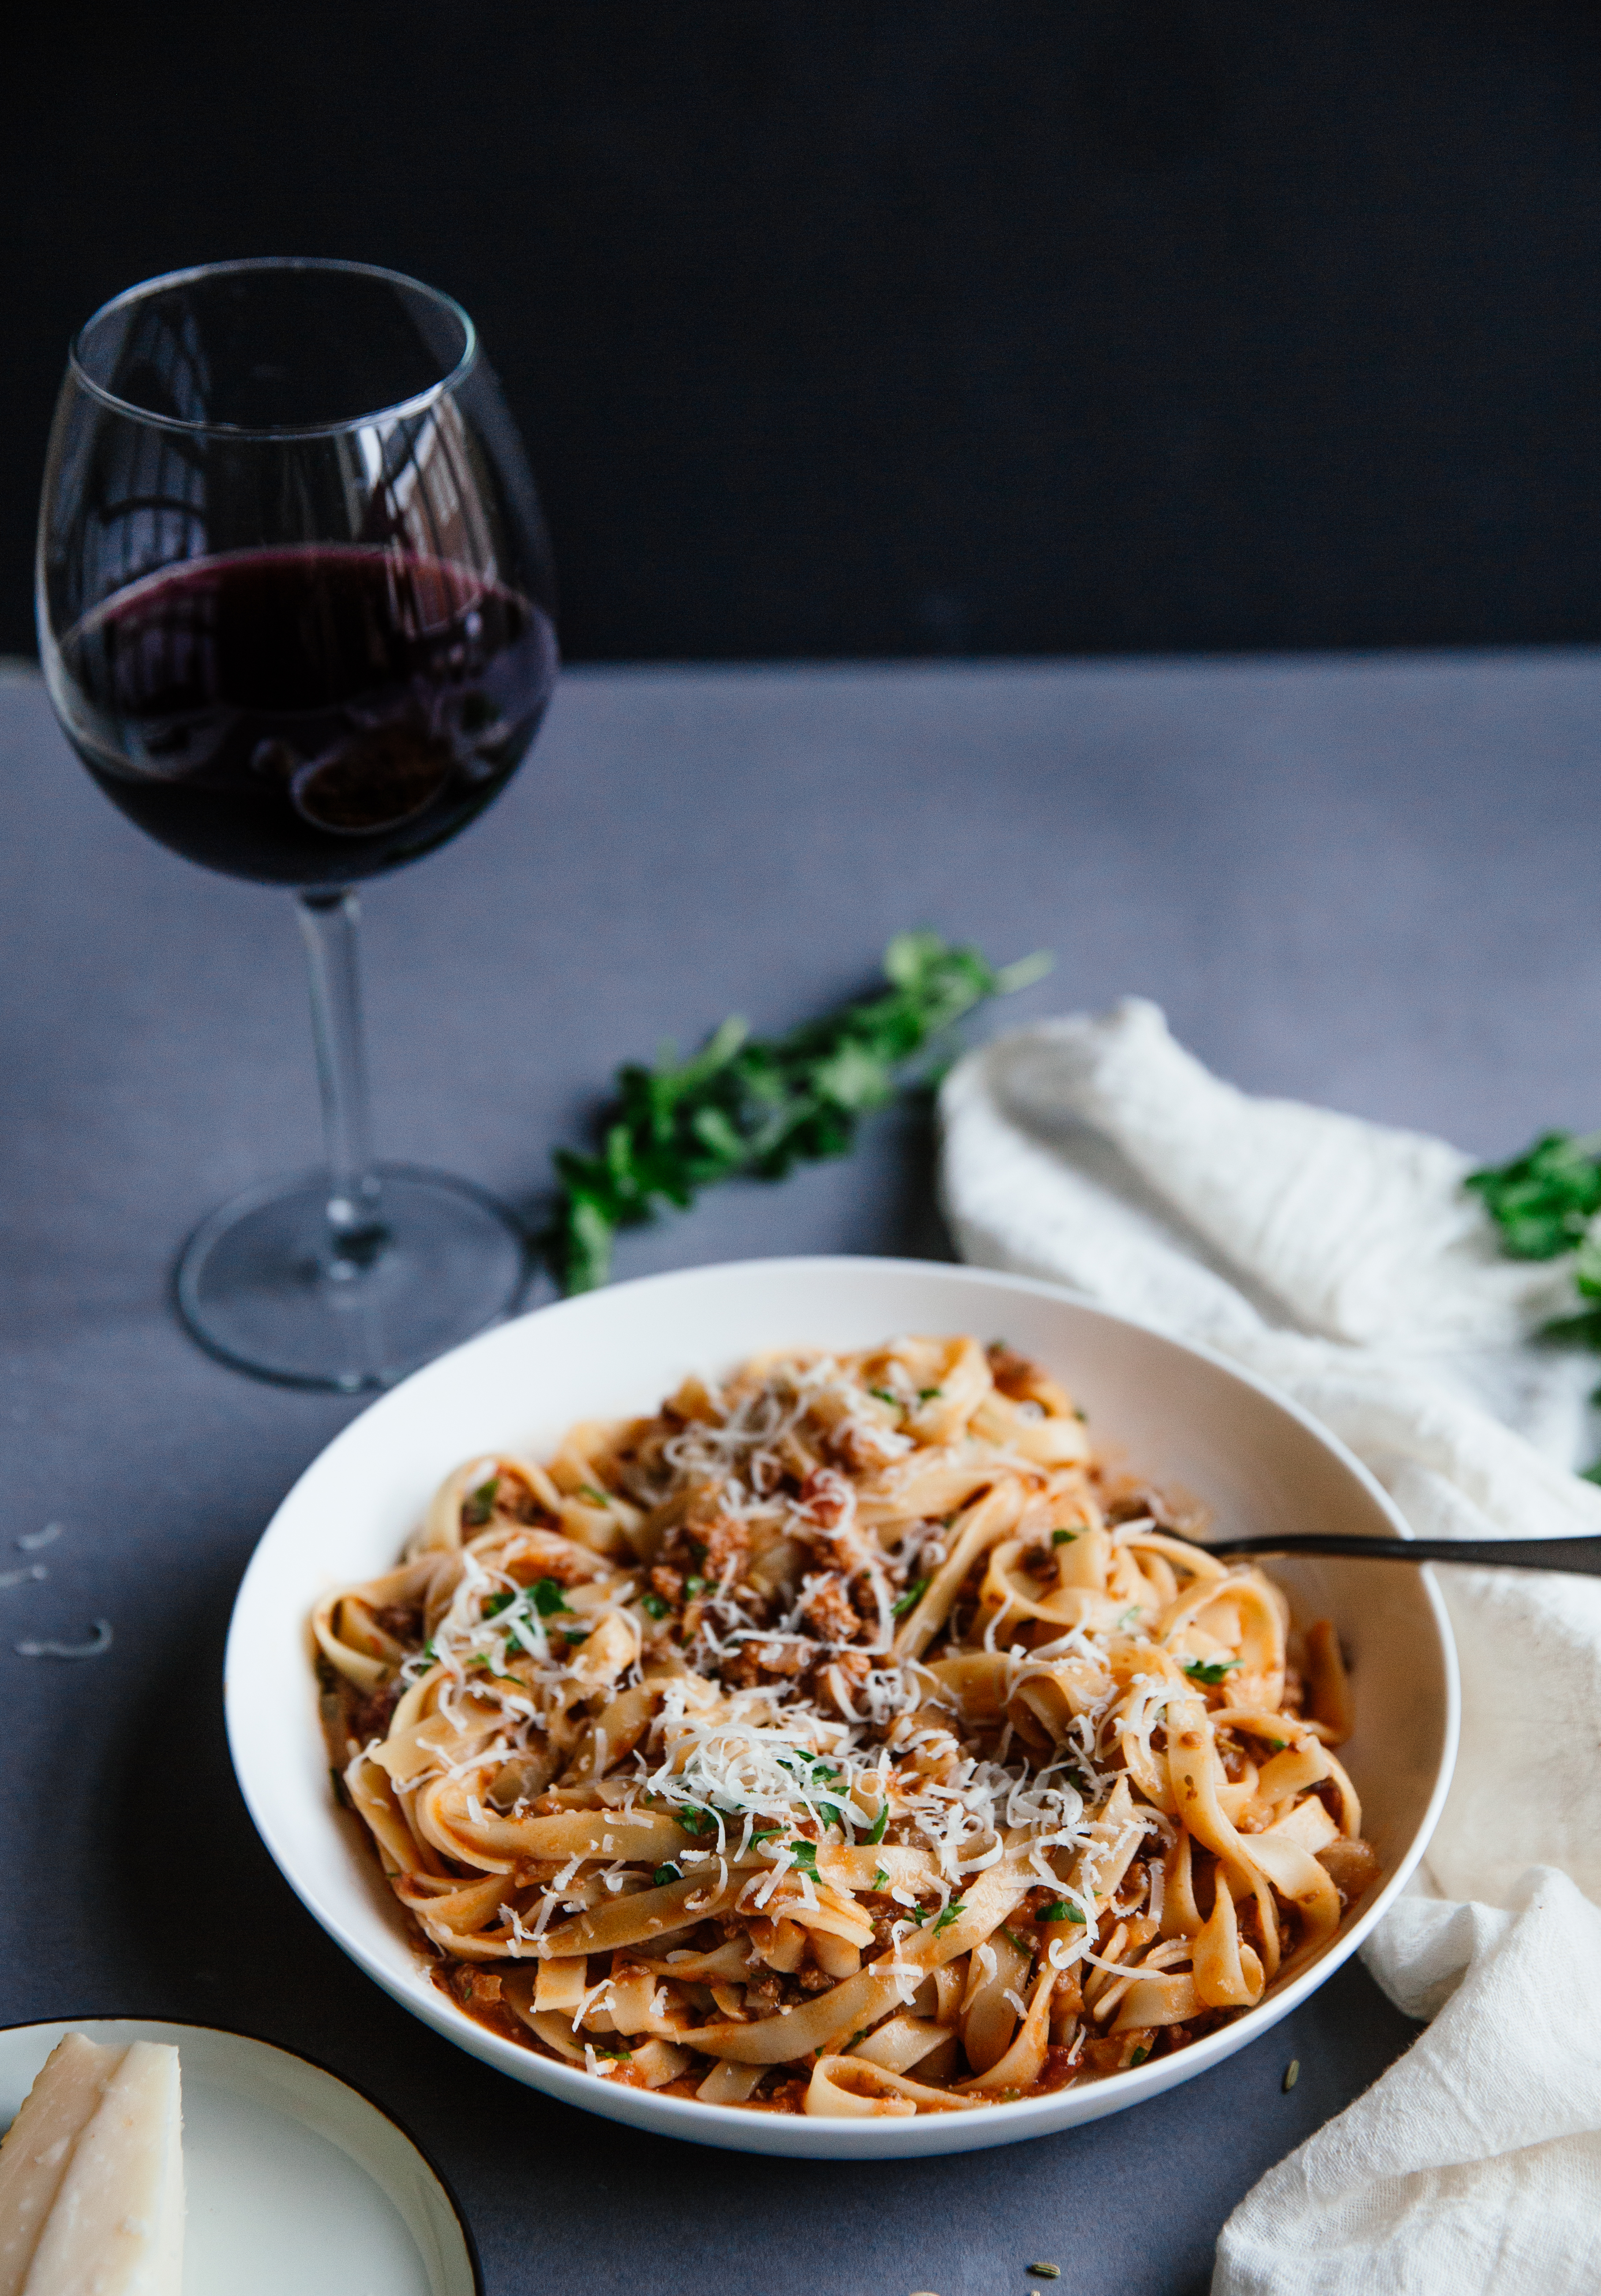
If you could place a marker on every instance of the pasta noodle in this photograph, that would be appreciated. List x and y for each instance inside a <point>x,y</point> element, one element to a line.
<point>844,1738</point>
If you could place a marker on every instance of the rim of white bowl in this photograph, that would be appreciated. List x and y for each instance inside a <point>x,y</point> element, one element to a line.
<point>728,2126</point>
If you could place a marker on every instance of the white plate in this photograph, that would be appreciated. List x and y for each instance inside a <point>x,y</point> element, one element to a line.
<point>292,2179</point>
<point>1182,1416</point>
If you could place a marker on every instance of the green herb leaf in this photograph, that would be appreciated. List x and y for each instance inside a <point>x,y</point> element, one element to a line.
<point>1211,1670</point>
<point>694,1586</point>
<point>490,1668</point>
<point>665,1874</point>
<point>1062,1911</point>
<point>653,1606</point>
<point>951,1913</point>
<point>909,1601</point>
<point>766,1833</point>
<point>693,1818</point>
<point>478,1506</point>
<point>1543,1201</point>
<point>880,1876</point>
<point>833,1814</point>
<point>548,1597</point>
<point>805,1855</point>
<point>745,1105</point>
<point>1063,1537</point>
<point>609,2053</point>
<point>497,1603</point>
<point>887,1395</point>
<point>879,1823</point>
<point>597,1498</point>
<point>1139,2056</point>
<point>927,1394</point>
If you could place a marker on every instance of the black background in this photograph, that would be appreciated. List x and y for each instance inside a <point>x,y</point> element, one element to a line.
<point>854,327</point>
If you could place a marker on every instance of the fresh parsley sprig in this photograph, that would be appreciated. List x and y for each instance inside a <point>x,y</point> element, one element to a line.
<point>1545,1203</point>
<point>759,1106</point>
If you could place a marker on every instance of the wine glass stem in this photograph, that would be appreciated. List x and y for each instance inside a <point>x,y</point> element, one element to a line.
<point>329,923</point>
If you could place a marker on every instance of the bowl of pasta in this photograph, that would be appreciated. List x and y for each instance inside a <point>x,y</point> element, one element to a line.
<point>763,1705</point>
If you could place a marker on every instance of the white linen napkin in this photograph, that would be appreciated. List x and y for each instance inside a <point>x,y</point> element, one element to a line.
<point>1343,1260</point>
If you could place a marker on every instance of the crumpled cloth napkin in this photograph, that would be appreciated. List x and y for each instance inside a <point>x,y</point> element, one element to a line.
<point>1342,1260</point>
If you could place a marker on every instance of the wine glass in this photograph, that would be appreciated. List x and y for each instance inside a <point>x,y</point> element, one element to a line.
<point>295,613</point>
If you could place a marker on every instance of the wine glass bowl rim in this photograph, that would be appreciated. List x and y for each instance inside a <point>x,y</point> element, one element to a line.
<point>414,403</point>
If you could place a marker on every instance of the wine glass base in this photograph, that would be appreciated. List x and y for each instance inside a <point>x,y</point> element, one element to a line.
<point>258,1286</point>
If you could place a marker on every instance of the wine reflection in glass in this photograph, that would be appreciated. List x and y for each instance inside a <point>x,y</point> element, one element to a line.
<point>295,614</point>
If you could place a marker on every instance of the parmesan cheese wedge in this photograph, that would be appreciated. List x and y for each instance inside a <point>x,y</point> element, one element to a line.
<point>92,2176</point>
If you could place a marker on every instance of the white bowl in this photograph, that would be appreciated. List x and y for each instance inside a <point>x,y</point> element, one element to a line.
<point>1186,1419</point>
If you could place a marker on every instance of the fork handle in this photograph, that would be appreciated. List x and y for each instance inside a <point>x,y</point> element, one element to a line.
<point>1580,1555</point>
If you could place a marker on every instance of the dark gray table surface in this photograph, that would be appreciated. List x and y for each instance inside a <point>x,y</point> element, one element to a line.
<point>1367,881</point>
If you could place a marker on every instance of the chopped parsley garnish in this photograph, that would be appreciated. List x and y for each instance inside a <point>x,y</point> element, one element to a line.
<point>913,1595</point>
<point>693,1585</point>
<point>478,1506</point>
<point>665,1874</point>
<point>548,1597</point>
<point>497,1603</point>
<point>919,1914</point>
<point>597,1498</point>
<point>888,1395</point>
<point>800,1761</point>
<point>760,1106</point>
<point>1061,1911</point>
<point>766,1833</point>
<point>953,1912</point>
<point>1063,1537</point>
<point>1130,1613</point>
<point>805,1855</point>
<point>693,1819</point>
<point>609,2053</point>
<point>1139,2056</point>
<point>833,1814</point>
<point>1013,1939</point>
<point>879,1823</point>
<point>927,1394</point>
<point>1210,1670</point>
<point>653,1606</point>
<point>879,1877</point>
<point>478,1658</point>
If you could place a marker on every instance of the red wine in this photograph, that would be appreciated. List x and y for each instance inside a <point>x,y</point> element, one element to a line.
<point>307,716</point>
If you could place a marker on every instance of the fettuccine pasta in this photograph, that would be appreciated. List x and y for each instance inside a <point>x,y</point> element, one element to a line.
<point>842,1739</point>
